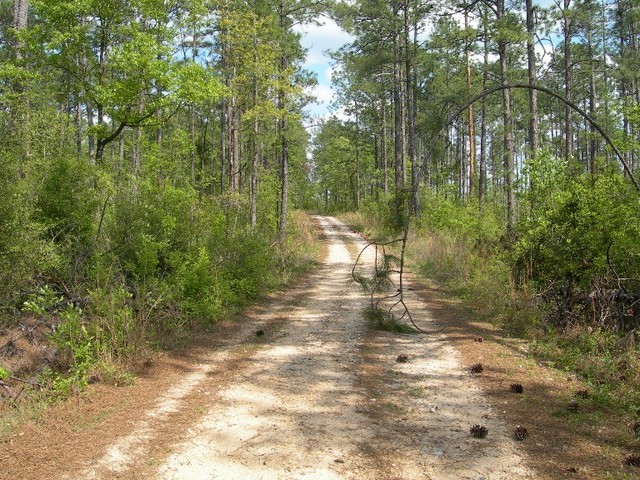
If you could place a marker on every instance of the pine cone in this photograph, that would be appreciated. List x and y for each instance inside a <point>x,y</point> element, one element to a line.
<point>520,433</point>
<point>632,460</point>
<point>516,388</point>
<point>478,431</point>
<point>573,406</point>
<point>477,368</point>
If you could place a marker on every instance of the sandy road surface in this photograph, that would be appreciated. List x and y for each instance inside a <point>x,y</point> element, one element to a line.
<point>319,396</point>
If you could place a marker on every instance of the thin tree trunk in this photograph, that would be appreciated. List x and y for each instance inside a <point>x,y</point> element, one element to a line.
<point>92,137</point>
<point>397,112</point>
<point>79,120</point>
<point>23,117</point>
<point>568,87</point>
<point>482,188</point>
<point>223,145</point>
<point>282,130</point>
<point>136,153</point>
<point>593,143</point>
<point>411,115</point>
<point>255,164</point>
<point>605,77</point>
<point>358,172</point>
<point>531,70</point>
<point>508,128</point>
<point>470,118</point>
<point>383,147</point>
<point>234,154</point>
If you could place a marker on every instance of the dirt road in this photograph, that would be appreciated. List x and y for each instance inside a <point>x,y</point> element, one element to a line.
<point>318,395</point>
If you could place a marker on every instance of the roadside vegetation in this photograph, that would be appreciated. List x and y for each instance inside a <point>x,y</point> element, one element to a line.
<point>151,185</point>
<point>565,279</point>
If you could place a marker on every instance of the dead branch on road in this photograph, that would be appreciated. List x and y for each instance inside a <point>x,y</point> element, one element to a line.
<point>380,282</point>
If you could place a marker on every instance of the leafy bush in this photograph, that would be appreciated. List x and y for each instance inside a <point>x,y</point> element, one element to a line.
<point>77,353</point>
<point>25,251</point>
<point>578,245</point>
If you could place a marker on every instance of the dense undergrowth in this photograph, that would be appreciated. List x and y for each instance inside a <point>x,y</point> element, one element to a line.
<point>98,272</point>
<point>567,277</point>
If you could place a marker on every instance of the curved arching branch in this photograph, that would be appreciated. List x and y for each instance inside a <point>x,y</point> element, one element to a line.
<point>584,114</point>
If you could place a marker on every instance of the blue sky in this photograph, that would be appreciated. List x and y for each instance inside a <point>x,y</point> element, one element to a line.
<point>318,39</point>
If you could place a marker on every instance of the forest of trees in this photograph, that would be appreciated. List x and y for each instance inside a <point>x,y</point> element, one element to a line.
<point>507,135</point>
<point>154,154</point>
<point>512,126</point>
<point>412,64</point>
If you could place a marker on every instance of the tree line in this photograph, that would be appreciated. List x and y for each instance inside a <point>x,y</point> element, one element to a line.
<point>152,153</point>
<point>527,112</point>
<point>413,62</point>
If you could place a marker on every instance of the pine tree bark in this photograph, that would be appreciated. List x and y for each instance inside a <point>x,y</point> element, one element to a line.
<point>398,159</point>
<point>383,147</point>
<point>593,143</point>
<point>23,115</point>
<point>568,87</point>
<point>357,152</point>
<point>411,112</point>
<point>531,71</point>
<point>483,125</point>
<point>508,154</point>
<point>470,118</point>
<point>223,145</point>
<point>282,129</point>
<point>255,163</point>
<point>234,138</point>
<point>20,15</point>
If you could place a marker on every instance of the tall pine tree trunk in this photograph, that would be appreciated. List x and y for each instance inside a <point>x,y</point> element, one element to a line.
<point>568,88</point>
<point>483,126</point>
<point>411,113</point>
<point>223,145</point>
<point>470,118</point>
<point>357,152</point>
<point>593,143</point>
<point>23,114</point>
<point>383,147</point>
<point>234,141</point>
<point>398,160</point>
<point>508,128</point>
<point>282,128</point>
<point>255,163</point>
<point>531,71</point>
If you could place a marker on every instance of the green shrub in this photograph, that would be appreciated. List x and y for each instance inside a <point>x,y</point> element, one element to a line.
<point>25,250</point>
<point>77,352</point>
<point>201,292</point>
<point>578,239</point>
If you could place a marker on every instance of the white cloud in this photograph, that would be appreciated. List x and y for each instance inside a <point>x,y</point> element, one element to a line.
<point>318,39</point>
<point>342,115</point>
<point>323,93</point>
<point>328,73</point>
